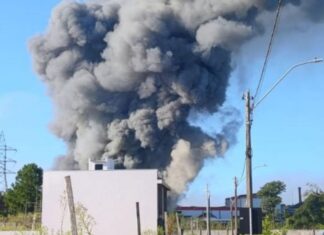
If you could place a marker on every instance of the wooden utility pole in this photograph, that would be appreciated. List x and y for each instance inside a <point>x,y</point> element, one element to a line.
<point>248,158</point>
<point>138,216</point>
<point>71,205</point>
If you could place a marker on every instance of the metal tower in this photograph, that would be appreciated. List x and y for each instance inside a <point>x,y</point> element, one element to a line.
<point>4,160</point>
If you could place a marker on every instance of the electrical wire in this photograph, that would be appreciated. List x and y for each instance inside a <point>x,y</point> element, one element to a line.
<point>241,178</point>
<point>275,26</point>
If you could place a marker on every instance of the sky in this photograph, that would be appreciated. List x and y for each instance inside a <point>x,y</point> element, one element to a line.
<point>287,130</point>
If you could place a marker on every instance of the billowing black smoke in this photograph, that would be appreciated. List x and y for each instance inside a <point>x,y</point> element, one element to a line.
<point>124,76</point>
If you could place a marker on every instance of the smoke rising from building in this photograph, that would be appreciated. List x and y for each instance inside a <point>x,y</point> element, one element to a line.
<point>125,75</point>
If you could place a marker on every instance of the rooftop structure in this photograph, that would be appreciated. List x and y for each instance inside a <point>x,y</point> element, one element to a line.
<point>105,164</point>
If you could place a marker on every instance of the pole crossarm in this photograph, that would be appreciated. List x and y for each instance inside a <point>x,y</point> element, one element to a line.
<point>316,60</point>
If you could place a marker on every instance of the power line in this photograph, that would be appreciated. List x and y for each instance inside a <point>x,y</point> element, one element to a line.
<point>275,26</point>
<point>4,148</point>
<point>242,175</point>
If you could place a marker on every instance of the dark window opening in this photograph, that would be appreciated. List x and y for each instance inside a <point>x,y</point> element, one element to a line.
<point>98,167</point>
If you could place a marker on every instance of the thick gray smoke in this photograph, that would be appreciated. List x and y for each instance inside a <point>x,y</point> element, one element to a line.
<point>124,76</point>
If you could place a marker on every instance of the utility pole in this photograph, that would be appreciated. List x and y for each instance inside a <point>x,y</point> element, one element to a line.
<point>231,209</point>
<point>3,163</point>
<point>235,205</point>
<point>248,158</point>
<point>208,212</point>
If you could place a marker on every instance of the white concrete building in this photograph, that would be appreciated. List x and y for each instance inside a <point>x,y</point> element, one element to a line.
<point>110,198</point>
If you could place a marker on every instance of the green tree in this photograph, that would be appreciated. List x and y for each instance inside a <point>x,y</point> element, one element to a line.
<point>25,194</point>
<point>311,214</point>
<point>266,226</point>
<point>270,198</point>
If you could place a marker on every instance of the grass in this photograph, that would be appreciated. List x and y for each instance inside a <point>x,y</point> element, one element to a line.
<point>20,222</point>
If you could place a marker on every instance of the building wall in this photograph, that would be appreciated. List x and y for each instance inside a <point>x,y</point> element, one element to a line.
<point>109,196</point>
<point>216,213</point>
<point>241,202</point>
<point>196,232</point>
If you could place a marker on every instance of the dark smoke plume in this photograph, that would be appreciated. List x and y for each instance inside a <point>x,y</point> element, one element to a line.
<point>124,76</point>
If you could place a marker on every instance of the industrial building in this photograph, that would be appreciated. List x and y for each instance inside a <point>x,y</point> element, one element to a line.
<point>241,201</point>
<point>108,198</point>
<point>218,214</point>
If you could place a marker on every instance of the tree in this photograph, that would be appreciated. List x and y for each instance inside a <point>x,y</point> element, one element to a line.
<point>270,198</point>
<point>25,194</point>
<point>311,214</point>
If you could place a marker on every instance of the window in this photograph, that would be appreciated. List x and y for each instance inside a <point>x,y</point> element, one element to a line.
<point>98,167</point>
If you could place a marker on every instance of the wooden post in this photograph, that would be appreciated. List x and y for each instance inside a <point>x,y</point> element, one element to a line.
<point>178,224</point>
<point>166,227</point>
<point>138,216</point>
<point>71,205</point>
<point>197,225</point>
